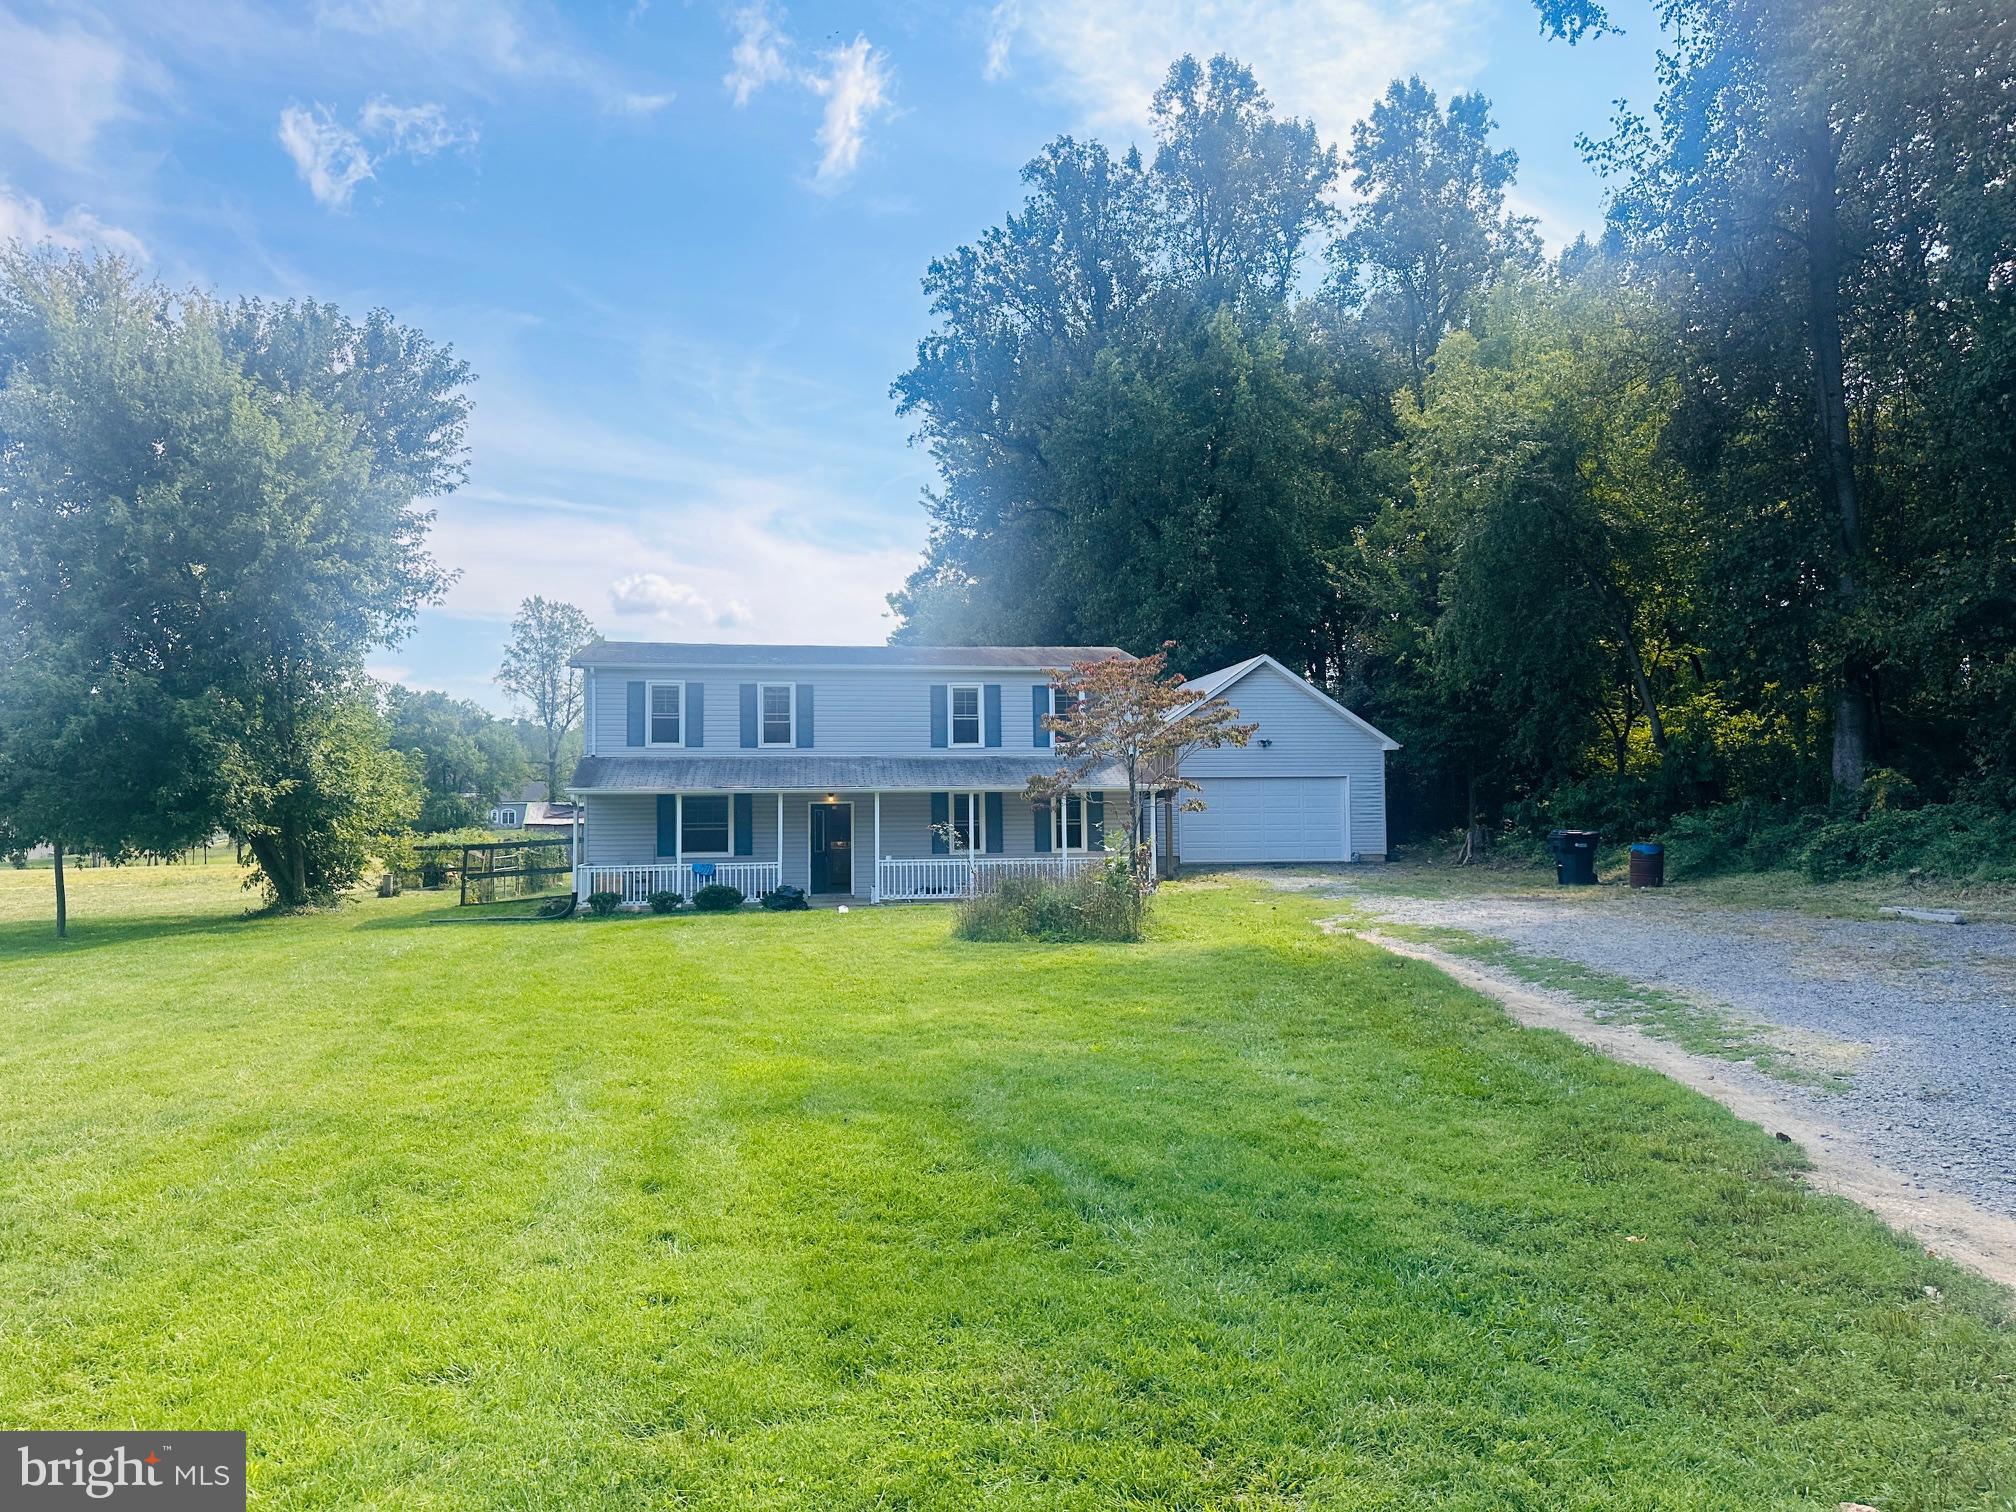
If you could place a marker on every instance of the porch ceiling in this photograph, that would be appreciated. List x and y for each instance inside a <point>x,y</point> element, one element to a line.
<point>810,772</point>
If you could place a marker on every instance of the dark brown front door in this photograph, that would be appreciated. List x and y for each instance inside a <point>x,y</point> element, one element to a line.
<point>832,847</point>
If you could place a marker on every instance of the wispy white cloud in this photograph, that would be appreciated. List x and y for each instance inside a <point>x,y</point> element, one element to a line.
<point>757,58</point>
<point>642,104</point>
<point>329,157</point>
<point>1323,59</point>
<point>333,159</point>
<point>1002,24</point>
<point>61,87</point>
<point>506,39</point>
<point>23,219</point>
<point>853,79</point>
<point>418,130</point>
<point>856,86</point>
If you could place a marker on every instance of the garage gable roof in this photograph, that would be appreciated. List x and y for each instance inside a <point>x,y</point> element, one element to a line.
<point>1215,684</point>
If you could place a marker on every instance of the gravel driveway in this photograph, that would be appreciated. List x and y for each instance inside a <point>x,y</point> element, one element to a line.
<point>1921,1018</point>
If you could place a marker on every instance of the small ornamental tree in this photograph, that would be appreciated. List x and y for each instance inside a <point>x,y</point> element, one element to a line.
<point>1134,714</point>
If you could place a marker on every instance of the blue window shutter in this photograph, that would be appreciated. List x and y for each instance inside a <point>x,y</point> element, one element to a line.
<point>804,715</point>
<point>1042,812</point>
<point>939,735</point>
<point>1095,821</point>
<point>941,815</point>
<point>990,696</point>
<point>668,824</point>
<point>993,823</point>
<point>696,714</point>
<point>635,732</point>
<point>1038,707</point>
<point>745,824</point>
<point>749,716</point>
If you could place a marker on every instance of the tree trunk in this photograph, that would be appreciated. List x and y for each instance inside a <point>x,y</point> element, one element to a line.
<point>62,897</point>
<point>272,856</point>
<point>1852,712</point>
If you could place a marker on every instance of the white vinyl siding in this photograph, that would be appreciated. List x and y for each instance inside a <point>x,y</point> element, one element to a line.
<point>1305,738</point>
<point>860,712</point>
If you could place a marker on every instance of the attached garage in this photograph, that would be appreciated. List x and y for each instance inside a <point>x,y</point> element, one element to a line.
<point>1310,786</point>
<point>1257,819</point>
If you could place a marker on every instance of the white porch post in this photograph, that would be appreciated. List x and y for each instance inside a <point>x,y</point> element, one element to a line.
<point>1154,846</point>
<point>875,878</point>
<point>972,840</point>
<point>678,829</point>
<point>780,839</point>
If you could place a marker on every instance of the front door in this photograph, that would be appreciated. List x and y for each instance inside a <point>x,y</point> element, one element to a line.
<point>832,847</point>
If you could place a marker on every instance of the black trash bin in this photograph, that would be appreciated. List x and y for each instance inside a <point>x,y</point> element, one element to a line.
<point>1574,853</point>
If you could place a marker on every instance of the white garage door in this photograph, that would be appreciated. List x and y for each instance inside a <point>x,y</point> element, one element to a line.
<point>1269,819</point>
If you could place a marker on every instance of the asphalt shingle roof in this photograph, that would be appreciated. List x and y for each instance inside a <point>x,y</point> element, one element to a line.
<point>682,654</point>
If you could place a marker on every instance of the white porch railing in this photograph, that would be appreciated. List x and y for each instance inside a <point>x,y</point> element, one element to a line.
<point>636,883</point>
<point>904,881</point>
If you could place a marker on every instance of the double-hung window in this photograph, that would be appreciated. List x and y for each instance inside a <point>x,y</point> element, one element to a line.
<point>705,828</point>
<point>964,831</point>
<point>1067,822</point>
<point>1060,708</point>
<point>666,714</point>
<point>779,727</point>
<point>965,701</point>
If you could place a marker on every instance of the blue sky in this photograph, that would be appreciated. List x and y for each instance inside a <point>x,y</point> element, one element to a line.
<point>679,242</point>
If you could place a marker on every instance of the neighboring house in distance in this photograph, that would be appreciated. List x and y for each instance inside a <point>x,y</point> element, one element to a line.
<point>898,772</point>
<point>530,811</point>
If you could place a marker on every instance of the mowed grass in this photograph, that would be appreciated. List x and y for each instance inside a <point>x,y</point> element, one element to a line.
<point>833,1211</point>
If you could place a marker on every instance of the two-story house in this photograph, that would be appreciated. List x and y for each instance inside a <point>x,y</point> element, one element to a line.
<point>898,772</point>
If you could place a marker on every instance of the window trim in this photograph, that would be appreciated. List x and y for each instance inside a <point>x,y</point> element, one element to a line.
<point>790,710</point>
<point>952,739</point>
<point>1059,827</point>
<point>650,713</point>
<point>975,826</point>
<point>688,854</point>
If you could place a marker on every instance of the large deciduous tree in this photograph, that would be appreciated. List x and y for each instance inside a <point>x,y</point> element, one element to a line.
<point>1826,190</point>
<point>1430,232</point>
<point>537,671</point>
<point>218,504</point>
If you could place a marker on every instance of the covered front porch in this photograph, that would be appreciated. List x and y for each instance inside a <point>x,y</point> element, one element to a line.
<point>880,844</point>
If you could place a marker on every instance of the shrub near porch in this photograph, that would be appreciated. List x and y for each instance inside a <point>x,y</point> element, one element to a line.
<point>833,1210</point>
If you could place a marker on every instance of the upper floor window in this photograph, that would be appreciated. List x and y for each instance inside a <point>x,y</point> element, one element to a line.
<point>779,727</point>
<point>666,714</point>
<point>1060,702</point>
<point>965,699</point>
<point>704,825</point>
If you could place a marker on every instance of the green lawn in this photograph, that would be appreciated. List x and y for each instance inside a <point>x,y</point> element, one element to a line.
<point>829,1211</point>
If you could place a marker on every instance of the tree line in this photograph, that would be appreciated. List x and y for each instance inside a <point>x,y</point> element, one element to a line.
<point>1714,508</point>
